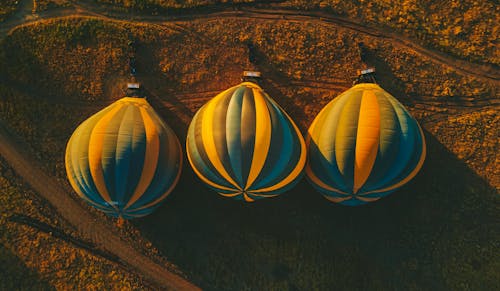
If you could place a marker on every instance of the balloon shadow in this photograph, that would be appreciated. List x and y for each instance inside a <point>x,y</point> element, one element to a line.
<point>434,232</point>
<point>270,80</point>
<point>384,75</point>
<point>159,90</point>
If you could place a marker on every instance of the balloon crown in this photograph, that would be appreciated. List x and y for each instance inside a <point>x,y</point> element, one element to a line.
<point>134,90</point>
<point>251,76</point>
<point>365,76</point>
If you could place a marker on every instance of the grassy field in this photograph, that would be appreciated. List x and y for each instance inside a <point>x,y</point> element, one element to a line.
<point>149,5</point>
<point>42,5</point>
<point>7,7</point>
<point>467,29</point>
<point>34,260</point>
<point>304,66</point>
<point>39,54</point>
<point>438,232</point>
<point>463,28</point>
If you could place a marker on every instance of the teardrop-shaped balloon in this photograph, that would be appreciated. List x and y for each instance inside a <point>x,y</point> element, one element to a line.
<point>362,146</point>
<point>124,160</point>
<point>244,145</point>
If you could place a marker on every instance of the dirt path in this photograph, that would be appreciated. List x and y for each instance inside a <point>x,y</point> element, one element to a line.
<point>95,230</point>
<point>463,67</point>
<point>62,235</point>
<point>91,228</point>
<point>485,72</point>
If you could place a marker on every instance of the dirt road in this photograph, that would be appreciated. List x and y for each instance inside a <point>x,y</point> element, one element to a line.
<point>90,227</point>
<point>485,72</point>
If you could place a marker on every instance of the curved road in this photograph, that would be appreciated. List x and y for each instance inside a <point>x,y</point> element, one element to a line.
<point>485,72</point>
<point>27,166</point>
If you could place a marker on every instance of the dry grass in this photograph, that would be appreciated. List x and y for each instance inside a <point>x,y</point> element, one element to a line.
<point>467,29</point>
<point>37,260</point>
<point>7,7</point>
<point>43,60</point>
<point>42,5</point>
<point>437,233</point>
<point>304,66</point>
<point>473,137</point>
<point>167,4</point>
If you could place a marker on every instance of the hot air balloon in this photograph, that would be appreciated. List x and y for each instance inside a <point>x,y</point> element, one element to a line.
<point>242,144</point>
<point>124,160</point>
<point>362,146</point>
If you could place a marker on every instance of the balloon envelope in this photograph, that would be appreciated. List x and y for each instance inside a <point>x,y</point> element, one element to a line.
<point>244,145</point>
<point>363,145</point>
<point>124,160</point>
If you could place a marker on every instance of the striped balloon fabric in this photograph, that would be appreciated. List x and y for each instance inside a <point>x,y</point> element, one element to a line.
<point>244,145</point>
<point>362,146</point>
<point>124,160</point>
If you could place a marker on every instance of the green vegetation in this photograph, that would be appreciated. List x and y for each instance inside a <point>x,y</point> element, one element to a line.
<point>7,7</point>
<point>439,232</point>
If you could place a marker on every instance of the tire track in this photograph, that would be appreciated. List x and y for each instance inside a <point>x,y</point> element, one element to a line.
<point>27,166</point>
<point>489,73</point>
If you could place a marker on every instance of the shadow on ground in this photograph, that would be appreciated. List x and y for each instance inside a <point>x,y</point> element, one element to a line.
<point>14,275</point>
<point>438,232</point>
